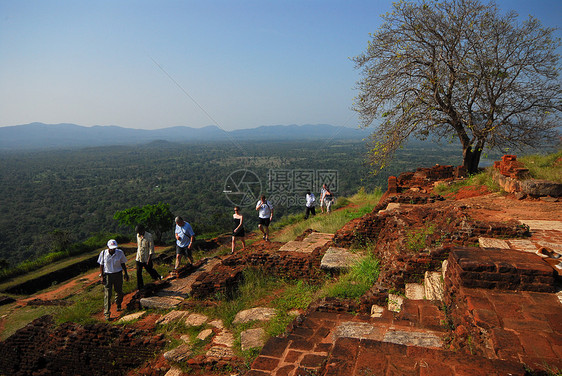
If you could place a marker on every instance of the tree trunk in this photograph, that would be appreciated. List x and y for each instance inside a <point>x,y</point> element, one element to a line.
<point>471,159</point>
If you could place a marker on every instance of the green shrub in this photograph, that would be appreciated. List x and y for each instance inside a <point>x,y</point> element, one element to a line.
<point>417,240</point>
<point>544,166</point>
<point>357,281</point>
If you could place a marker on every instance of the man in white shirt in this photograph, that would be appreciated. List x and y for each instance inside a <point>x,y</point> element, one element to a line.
<point>310,200</point>
<point>112,268</point>
<point>265,214</point>
<point>145,250</point>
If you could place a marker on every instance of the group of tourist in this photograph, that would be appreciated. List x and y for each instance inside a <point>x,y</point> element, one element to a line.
<point>113,268</point>
<point>326,199</point>
<point>112,260</point>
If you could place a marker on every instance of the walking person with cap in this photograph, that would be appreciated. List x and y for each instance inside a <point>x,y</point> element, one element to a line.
<point>145,250</point>
<point>112,269</point>
<point>184,241</point>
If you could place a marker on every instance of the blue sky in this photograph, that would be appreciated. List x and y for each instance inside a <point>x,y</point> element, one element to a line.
<point>155,64</point>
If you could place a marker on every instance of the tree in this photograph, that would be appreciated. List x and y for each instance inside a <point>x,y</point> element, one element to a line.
<point>158,218</point>
<point>458,68</point>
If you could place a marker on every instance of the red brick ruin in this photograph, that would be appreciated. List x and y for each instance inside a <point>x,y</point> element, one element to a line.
<point>498,314</point>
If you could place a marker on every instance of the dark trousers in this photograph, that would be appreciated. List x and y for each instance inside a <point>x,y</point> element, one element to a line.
<point>148,266</point>
<point>309,210</point>
<point>112,281</point>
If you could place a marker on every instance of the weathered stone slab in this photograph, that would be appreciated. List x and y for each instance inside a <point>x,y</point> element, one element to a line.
<point>415,291</point>
<point>377,311</point>
<point>217,324</point>
<point>309,244</point>
<point>220,352</point>
<point>132,316</point>
<point>444,266</point>
<point>553,246</point>
<point>535,187</point>
<point>179,354</point>
<point>422,339</point>
<point>391,206</point>
<point>492,243</point>
<point>225,338</point>
<point>174,371</point>
<point>395,302</point>
<point>338,259</point>
<point>181,288</point>
<point>252,338</point>
<point>195,319</point>
<point>353,329</point>
<point>254,314</point>
<point>433,286</point>
<point>542,225</point>
<point>171,316</point>
<point>523,245</point>
<point>205,334</point>
<point>161,302</point>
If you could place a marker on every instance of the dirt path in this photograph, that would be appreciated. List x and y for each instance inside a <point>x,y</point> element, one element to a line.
<point>497,207</point>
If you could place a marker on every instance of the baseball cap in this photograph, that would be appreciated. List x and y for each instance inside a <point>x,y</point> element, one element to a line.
<point>112,244</point>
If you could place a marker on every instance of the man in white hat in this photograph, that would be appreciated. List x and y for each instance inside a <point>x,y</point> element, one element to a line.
<point>112,267</point>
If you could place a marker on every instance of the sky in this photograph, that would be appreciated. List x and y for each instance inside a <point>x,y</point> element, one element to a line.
<point>163,63</point>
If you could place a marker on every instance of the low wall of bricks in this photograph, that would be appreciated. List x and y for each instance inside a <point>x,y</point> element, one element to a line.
<point>42,348</point>
<point>501,269</point>
<point>224,278</point>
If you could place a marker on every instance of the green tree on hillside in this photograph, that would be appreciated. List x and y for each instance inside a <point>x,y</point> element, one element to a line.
<point>459,69</point>
<point>157,218</point>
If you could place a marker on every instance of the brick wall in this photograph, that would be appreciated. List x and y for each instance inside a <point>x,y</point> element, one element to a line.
<point>43,348</point>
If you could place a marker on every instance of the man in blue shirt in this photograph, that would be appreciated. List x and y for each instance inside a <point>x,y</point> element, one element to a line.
<point>184,240</point>
<point>112,267</point>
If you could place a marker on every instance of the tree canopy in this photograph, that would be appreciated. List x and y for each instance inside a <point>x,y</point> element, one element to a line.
<point>459,68</point>
<point>158,218</point>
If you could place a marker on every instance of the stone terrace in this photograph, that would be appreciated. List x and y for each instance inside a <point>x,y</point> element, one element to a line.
<point>501,315</point>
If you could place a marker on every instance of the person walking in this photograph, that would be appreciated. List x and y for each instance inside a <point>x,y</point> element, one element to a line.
<point>145,250</point>
<point>184,241</point>
<point>265,214</point>
<point>310,200</point>
<point>112,268</point>
<point>328,199</point>
<point>238,228</point>
<point>322,197</point>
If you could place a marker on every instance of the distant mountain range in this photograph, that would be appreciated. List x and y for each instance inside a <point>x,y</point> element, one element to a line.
<point>54,136</point>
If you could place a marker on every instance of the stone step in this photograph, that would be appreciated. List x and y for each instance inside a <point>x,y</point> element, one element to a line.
<point>313,241</point>
<point>338,259</point>
<point>177,289</point>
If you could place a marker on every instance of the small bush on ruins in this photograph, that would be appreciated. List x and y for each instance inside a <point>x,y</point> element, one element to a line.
<point>417,239</point>
<point>356,282</point>
<point>483,178</point>
<point>545,167</point>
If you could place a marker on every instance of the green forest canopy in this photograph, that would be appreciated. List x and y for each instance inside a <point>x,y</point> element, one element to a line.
<point>79,191</point>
